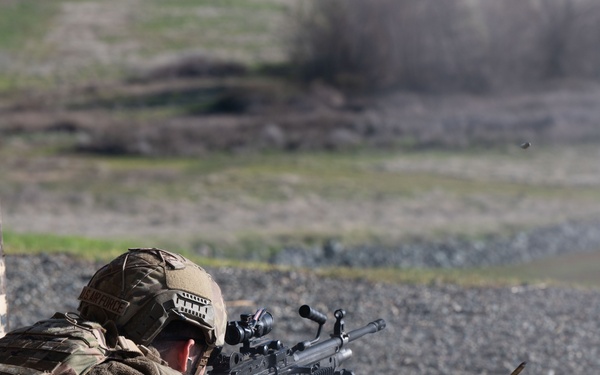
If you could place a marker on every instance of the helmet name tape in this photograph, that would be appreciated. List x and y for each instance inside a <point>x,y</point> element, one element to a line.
<point>103,300</point>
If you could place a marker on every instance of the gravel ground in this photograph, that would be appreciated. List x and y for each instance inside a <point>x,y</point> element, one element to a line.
<point>431,329</point>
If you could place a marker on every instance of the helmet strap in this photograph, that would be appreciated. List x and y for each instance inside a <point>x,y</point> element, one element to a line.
<point>203,360</point>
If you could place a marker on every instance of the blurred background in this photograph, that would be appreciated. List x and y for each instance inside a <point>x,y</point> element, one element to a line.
<point>364,134</point>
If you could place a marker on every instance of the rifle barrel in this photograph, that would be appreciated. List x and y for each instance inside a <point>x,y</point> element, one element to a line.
<point>328,347</point>
<point>372,327</point>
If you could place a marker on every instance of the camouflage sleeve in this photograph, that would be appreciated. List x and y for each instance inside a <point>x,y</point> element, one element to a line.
<point>132,366</point>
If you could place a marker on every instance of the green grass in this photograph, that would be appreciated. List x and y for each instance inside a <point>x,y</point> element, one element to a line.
<point>83,247</point>
<point>349,184</point>
<point>341,177</point>
<point>463,277</point>
<point>240,30</point>
<point>342,180</point>
<point>572,270</point>
<point>23,24</point>
<point>247,32</point>
<point>95,249</point>
<point>24,20</point>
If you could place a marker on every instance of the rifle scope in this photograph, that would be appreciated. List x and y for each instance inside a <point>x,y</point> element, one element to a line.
<point>248,327</point>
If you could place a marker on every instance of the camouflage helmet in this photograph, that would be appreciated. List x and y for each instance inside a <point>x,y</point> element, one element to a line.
<point>144,290</point>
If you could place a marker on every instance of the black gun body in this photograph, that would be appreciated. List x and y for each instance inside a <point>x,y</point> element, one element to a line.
<point>315,352</point>
<point>321,358</point>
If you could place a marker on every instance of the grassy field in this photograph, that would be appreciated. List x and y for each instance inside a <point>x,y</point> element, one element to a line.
<point>248,206</point>
<point>59,43</point>
<point>225,206</point>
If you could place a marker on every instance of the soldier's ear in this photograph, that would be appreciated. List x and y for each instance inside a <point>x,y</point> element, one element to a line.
<point>184,349</point>
<point>177,354</point>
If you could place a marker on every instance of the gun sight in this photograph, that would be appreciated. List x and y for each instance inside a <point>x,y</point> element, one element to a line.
<point>250,326</point>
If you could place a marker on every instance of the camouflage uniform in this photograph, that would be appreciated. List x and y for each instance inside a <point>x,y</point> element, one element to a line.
<point>147,364</point>
<point>126,304</point>
<point>64,344</point>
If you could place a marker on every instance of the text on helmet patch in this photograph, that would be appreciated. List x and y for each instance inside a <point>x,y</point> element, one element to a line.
<point>105,301</point>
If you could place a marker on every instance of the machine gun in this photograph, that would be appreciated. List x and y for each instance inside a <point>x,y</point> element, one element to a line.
<point>258,356</point>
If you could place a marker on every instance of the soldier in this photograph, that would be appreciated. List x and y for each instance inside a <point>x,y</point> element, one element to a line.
<point>147,312</point>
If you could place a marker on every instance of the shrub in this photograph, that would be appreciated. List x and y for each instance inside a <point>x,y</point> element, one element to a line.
<point>432,45</point>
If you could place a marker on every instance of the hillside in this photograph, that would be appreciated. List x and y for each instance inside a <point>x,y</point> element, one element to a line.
<point>145,126</point>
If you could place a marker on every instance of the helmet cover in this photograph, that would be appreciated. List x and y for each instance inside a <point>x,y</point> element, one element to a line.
<point>145,289</point>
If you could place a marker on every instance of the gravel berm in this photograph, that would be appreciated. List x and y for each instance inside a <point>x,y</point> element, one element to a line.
<point>431,329</point>
<point>567,237</point>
